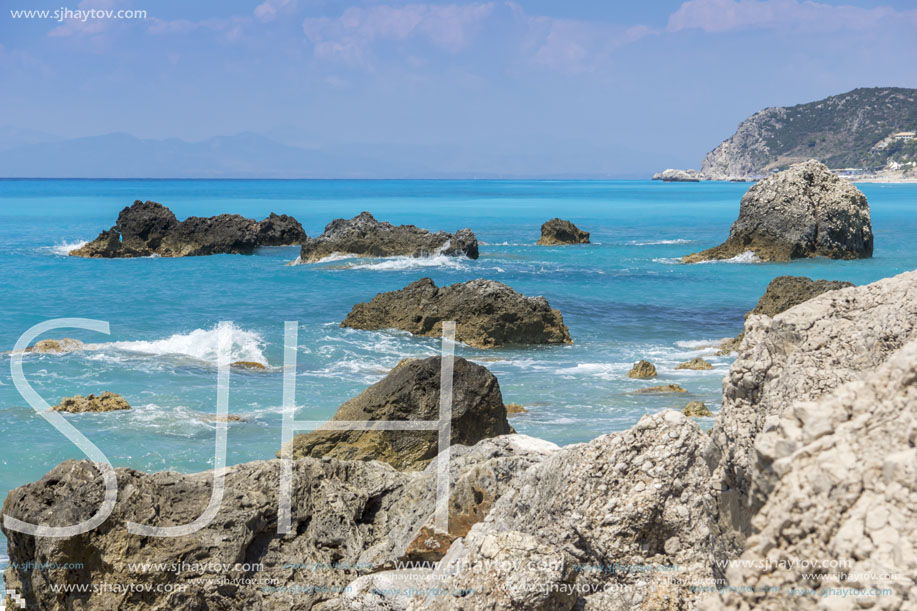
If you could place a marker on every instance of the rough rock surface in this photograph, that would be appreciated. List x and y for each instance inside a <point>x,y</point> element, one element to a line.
<point>673,175</point>
<point>364,236</point>
<point>800,355</point>
<point>348,519</point>
<point>515,408</point>
<point>558,232</point>
<point>412,392</point>
<point>781,294</point>
<point>696,409</point>
<point>248,365</point>
<point>632,509</point>
<point>642,370</point>
<point>148,228</point>
<point>487,314</point>
<point>840,475</point>
<point>105,402</point>
<point>805,211</point>
<point>696,363</point>
<point>56,346</point>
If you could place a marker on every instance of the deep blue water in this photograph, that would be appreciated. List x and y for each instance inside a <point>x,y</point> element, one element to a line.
<point>624,297</point>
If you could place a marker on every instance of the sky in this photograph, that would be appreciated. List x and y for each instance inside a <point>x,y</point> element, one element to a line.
<point>499,87</point>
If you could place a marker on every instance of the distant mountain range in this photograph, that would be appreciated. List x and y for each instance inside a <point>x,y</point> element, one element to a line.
<point>860,130</point>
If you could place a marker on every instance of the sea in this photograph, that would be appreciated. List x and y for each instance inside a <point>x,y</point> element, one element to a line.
<point>624,297</point>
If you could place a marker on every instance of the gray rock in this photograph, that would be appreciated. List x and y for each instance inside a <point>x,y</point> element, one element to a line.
<point>487,314</point>
<point>840,479</point>
<point>558,232</point>
<point>801,355</point>
<point>412,392</point>
<point>364,236</point>
<point>805,211</point>
<point>781,294</point>
<point>148,228</point>
<point>349,519</point>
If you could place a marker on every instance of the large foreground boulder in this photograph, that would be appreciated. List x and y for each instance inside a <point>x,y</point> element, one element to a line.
<point>783,293</point>
<point>487,314</point>
<point>801,355</point>
<point>557,232</point>
<point>148,228</point>
<point>411,392</point>
<point>805,211</point>
<point>364,236</point>
<point>839,476</point>
<point>621,522</point>
<point>348,519</point>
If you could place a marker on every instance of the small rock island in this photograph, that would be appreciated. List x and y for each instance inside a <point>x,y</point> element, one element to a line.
<point>557,232</point>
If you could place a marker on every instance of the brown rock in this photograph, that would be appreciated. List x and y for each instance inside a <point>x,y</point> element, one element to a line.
<point>662,389</point>
<point>558,232</point>
<point>248,365</point>
<point>696,409</point>
<point>514,408</point>
<point>696,363</point>
<point>105,402</point>
<point>642,370</point>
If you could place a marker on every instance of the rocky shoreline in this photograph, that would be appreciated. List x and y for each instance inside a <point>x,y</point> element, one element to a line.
<point>811,456</point>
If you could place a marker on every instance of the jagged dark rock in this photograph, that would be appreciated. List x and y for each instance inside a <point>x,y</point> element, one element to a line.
<point>805,211</point>
<point>412,392</point>
<point>487,314</point>
<point>364,236</point>
<point>148,228</point>
<point>557,232</point>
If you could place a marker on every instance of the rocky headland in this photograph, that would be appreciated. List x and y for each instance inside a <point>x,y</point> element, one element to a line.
<point>147,228</point>
<point>812,457</point>
<point>487,314</point>
<point>805,211</point>
<point>558,232</point>
<point>364,236</point>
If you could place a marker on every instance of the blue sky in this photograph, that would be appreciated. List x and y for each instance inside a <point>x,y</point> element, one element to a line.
<point>523,88</point>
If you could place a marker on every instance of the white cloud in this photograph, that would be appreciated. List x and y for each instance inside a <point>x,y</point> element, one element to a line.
<point>727,15</point>
<point>269,9</point>
<point>350,36</point>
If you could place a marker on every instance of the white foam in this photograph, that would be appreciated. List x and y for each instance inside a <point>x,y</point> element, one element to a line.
<point>603,371</point>
<point>746,257</point>
<point>661,242</point>
<point>63,249</point>
<point>200,344</point>
<point>406,263</point>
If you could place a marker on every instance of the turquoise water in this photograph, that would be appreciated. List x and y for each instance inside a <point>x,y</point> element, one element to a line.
<point>624,297</point>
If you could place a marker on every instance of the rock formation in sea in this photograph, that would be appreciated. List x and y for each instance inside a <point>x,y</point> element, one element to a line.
<point>148,228</point>
<point>412,392</point>
<point>364,236</point>
<point>557,232</point>
<point>664,388</point>
<point>56,346</point>
<point>513,409</point>
<point>805,211</point>
<point>781,294</point>
<point>696,409</point>
<point>697,363</point>
<point>796,356</point>
<point>642,370</point>
<point>104,402</point>
<point>487,314</point>
<point>673,175</point>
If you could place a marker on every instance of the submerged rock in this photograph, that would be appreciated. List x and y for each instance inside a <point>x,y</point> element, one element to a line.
<point>661,389</point>
<point>558,232</point>
<point>348,519</point>
<point>697,363</point>
<point>800,355</point>
<point>148,228</point>
<point>487,314</point>
<point>696,409</point>
<point>248,365</point>
<point>642,370</point>
<point>839,479</point>
<point>364,236</point>
<point>56,346</point>
<point>411,392</point>
<point>105,402</point>
<point>515,408</point>
<point>781,294</point>
<point>805,211</point>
